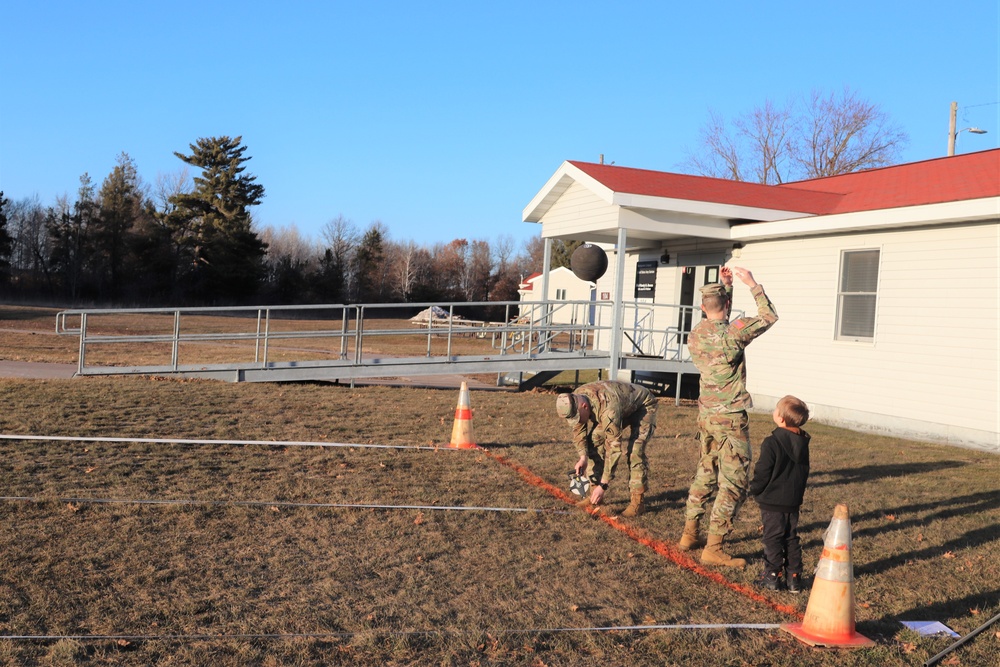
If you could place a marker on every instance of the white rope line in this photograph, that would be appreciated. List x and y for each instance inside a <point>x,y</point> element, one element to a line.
<point>322,635</point>
<point>265,443</point>
<point>263,503</point>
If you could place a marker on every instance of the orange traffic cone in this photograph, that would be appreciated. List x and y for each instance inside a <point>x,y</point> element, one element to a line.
<point>461,432</point>
<point>829,619</point>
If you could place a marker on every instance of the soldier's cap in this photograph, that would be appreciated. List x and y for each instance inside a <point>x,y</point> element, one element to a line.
<point>566,406</point>
<point>713,289</point>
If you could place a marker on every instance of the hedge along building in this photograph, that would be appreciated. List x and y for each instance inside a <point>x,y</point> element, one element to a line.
<point>886,281</point>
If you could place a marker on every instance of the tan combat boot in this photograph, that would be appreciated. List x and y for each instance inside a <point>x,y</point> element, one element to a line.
<point>714,555</point>
<point>635,507</point>
<point>690,538</point>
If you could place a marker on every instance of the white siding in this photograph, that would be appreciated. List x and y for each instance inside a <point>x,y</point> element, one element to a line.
<point>577,211</point>
<point>576,290</point>
<point>934,365</point>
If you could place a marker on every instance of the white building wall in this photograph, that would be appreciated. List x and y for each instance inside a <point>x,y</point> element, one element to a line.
<point>560,279</point>
<point>577,211</point>
<point>933,370</point>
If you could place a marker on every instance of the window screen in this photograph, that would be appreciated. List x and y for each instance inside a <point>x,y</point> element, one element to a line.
<point>856,297</point>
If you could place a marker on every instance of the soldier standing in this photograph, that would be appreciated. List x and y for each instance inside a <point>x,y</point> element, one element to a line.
<point>717,349</point>
<point>599,412</point>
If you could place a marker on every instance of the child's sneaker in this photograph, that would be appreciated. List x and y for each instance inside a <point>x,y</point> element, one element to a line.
<point>794,582</point>
<point>770,581</point>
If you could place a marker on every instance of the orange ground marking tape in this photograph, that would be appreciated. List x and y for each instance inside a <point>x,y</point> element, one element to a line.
<point>665,549</point>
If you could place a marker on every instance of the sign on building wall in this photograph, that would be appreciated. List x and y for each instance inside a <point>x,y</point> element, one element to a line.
<point>645,279</point>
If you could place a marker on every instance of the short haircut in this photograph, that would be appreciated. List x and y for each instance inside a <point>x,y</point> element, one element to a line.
<point>715,303</point>
<point>793,411</point>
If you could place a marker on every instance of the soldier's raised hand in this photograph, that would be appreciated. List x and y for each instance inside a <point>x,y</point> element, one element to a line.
<point>745,276</point>
<point>726,276</point>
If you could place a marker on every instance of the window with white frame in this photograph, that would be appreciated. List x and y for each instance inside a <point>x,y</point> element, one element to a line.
<point>561,294</point>
<point>857,294</point>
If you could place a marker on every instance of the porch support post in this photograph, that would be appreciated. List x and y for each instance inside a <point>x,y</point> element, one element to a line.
<point>618,308</point>
<point>546,307</point>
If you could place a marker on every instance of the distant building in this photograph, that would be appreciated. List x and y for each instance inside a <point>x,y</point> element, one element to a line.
<point>563,286</point>
<point>887,282</point>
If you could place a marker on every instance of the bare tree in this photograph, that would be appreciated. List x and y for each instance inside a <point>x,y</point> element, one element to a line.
<point>846,134</point>
<point>408,263</point>
<point>824,136</point>
<point>337,274</point>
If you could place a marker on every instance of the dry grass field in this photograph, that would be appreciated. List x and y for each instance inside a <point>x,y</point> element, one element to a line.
<point>141,552</point>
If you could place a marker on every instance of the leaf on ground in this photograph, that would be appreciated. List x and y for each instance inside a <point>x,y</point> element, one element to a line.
<point>909,647</point>
<point>948,554</point>
<point>420,518</point>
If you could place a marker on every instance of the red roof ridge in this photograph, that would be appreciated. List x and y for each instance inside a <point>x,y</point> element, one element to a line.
<point>934,180</point>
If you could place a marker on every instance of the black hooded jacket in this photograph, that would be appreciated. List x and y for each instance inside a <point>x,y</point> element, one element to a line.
<point>779,478</point>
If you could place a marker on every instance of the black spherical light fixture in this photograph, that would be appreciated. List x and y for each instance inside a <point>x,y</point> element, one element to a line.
<point>589,262</point>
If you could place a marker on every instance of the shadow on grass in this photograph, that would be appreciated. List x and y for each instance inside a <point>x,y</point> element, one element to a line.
<point>985,602</point>
<point>973,538</point>
<point>948,508</point>
<point>12,313</point>
<point>872,473</point>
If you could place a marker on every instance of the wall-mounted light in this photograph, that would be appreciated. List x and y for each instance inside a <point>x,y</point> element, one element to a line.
<point>665,258</point>
<point>737,250</point>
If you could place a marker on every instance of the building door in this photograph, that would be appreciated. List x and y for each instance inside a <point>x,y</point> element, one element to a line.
<point>684,319</point>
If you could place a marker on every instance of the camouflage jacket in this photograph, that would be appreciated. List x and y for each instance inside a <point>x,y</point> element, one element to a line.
<point>717,349</point>
<point>612,403</point>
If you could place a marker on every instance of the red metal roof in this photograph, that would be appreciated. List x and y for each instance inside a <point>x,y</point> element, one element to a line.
<point>948,179</point>
<point>529,282</point>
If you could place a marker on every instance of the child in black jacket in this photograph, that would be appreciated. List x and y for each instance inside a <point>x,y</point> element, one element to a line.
<point>779,482</point>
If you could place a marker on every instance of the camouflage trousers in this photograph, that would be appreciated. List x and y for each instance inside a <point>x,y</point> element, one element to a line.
<point>642,426</point>
<point>723,471</point>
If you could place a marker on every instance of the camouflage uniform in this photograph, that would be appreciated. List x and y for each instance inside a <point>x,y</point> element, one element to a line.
<point>717,349</point>
<point>615,405</point>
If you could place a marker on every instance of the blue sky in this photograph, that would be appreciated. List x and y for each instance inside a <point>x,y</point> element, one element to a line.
<point>443,119</point>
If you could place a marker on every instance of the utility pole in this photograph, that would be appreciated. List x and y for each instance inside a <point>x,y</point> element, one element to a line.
<point>953,132</point>
<point>951,129</point>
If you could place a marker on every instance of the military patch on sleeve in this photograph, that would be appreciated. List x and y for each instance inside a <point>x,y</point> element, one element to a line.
<point>740,324</point>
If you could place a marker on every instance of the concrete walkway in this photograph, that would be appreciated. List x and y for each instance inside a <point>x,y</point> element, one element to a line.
<point>37,371</point>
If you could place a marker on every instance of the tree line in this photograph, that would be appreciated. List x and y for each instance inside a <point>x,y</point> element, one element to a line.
<point>194,242</point>
<point>190,241</point>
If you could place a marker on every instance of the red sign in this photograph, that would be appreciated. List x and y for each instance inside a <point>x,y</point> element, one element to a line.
<point>605,296</point>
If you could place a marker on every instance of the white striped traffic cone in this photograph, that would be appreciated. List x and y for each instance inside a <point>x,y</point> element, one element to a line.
<point>461,432</point>
<point>829,619</point>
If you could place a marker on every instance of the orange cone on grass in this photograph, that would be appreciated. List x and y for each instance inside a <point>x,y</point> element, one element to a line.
<point>829,618</point>
<point>461,432</point>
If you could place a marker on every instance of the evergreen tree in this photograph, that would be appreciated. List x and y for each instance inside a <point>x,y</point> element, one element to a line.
<point>6,243</point>
<point>370,266</point>
<point>562,252</point>
<point>215,222</point>
<point>121,206</point>
<point>69,229</point>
